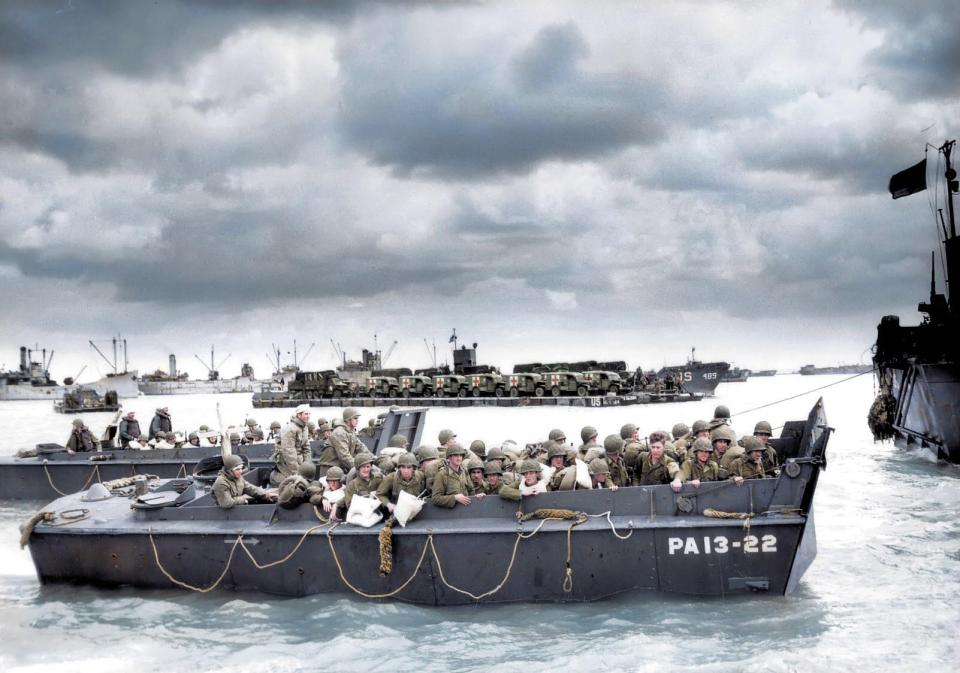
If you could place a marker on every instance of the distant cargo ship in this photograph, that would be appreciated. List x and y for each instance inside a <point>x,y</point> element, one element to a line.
<point>764,372</point>
<point>808,370</point>
<point>31,381</point>
<point>174,383</point>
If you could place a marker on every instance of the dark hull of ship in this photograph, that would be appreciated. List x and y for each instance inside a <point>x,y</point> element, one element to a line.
<point>698,377</point>
<point>928,408</point>
<point>644,538</point>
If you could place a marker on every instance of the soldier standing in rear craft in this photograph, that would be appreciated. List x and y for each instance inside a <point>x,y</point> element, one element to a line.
<point>161,422</point>
<point>294,446</point>
<point>344,443</point>
<point>81,439</point>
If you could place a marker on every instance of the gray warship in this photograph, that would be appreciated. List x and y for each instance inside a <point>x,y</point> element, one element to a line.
<point>32,381</point>
<point>565,546</point>
<point>49,470</point>
<point>918,366</point>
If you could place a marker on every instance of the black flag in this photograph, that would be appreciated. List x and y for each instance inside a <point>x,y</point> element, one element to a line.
<point>909,181</point>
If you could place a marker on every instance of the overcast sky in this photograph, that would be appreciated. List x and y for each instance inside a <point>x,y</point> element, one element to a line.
<point>555,180</point>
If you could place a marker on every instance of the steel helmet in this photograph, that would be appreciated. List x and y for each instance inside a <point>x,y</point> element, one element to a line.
<point>334,474</point>
<point>529,465</point>
<point>627,430</point>
<point>232,462</point>
<point>406,460</point>
<point>456,450</point>
<point>613,444</point>
<point>722,411</point>
<point>587,433</point>
<point>398,441</point>
<point>363,458</point>
<point>307,470</point>
<point>679,430</point>
<point>598,466</point>
<point>349,413</point>
<point>763,428</point>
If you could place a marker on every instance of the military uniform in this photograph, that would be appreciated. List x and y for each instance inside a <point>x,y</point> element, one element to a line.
<point>161,423</point>
<point>228,490</point>
<point>344,445</point>
<point>128,431</point>
<point>293,449</point>
<point>649,473</point>
<point>81,439</point>
<point>730,455</point>
<point>447,484</point>
<point>390,487</point>
<point>253,434</point>
<point>694,470</point>
<point>360,486</point>
<point>746,468</point>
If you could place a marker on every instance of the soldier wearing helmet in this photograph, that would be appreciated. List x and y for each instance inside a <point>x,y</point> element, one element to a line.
<point>556,456</point>
<point>293,489</point>
<point>193,439</point>
<point>613,448</point>
<point>319,491</point>
<point>558,436</point>
<point>231,489</point>
<point>750,464</point>
<point>294,446</point>
<point>632,446</point>
<point>253,432</point>
<point>474,467</point>
<point>528,486</point>
<point>447,438</point>
<point>407,478</point>
<point>493,473</point>
<point>161,422</point>
<point>365,482</point>
<point>343,445</point>
<point>451,485</point>
<point>589,436</point>
<point>700,429</point>
<point>128,430</point>
<point>701,466</point>
<point>600,474</point>
<point>398,442</point>
<point>721,417</point>
<point>722,438</point>
<point>81,439</point>
<point>763,432</point>
<point>429,460</point>
<point>653,465</point>
<point>274,435</point>
<point>478,449</point>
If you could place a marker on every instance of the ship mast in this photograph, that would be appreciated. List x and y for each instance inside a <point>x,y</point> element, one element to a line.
<point>952,244</point>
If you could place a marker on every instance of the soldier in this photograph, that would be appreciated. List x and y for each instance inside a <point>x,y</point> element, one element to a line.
<point>398,441</point>
<point>612,447</point>
<point>128,430</point>
<point>344,442</point>
<point>160,442</point>
<point>324,431</point>
<point>193,439</point>
<point>763,432</point>
<point>700,429</point>
<point>447,439</point>
<point>364,483</point>
<point>429,459</point>
<point>206,428</point>
<point>653,466</point>
<point>81,439</point>
<point>530,475</point>
<point>679,430</point>
<point>494,475</point>
<point>750,464</point>
<point>721,438</point>
<point>677,449</point>
<point>558,436</point>
<point>451,485</point>
<point>478,485</point>
<point>231,489</point>
<point>407,478</point>
<point>701,467</point>
<point>312,430</point>
<point>600,473</point>
<point>293,489</point>
<point>556,456</point>
<point>630,434</point>
<point>589,436</point>
<point>721,416</point>
<point>294,446</point>
<point>161,422</point>
<point>274,435</point>
<point>478,449</point>
<point>319,488</point>
<point>253,433</point>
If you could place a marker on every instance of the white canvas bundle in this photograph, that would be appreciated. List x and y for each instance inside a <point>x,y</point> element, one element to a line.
<point>333,497</point>
<point>363,511</point>
<point>583,475</point>
<point>408,507</point>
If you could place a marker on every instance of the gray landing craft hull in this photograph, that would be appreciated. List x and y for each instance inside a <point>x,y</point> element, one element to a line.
<point>57,472</point>
<point>653,540</point>
<point>928,408</point>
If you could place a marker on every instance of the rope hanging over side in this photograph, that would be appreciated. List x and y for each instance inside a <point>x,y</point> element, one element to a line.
<point>202,590</point>
<point>386,548</point>
<point>94,472</point>
<point>26,528</point>
<point>360,592</point>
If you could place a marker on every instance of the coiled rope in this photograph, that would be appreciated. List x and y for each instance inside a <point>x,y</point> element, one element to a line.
<point>26,528</point>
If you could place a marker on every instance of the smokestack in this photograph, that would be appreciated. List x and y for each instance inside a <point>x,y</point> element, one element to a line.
<point>23,358</point>
<point>173,365</point>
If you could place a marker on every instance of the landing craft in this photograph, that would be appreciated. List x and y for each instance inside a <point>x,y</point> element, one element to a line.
<point>564,546</point>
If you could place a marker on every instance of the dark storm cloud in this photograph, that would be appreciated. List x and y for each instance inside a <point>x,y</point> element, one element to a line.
<point>489,112</point>
<point>138,37</point>
<point>920,54</point>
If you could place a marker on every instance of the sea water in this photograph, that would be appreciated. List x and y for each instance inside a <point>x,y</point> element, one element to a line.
<point>881,596</point>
